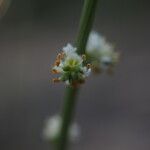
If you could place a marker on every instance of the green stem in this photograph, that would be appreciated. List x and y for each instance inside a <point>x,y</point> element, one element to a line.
<point>86,22</point>
<point>85,26</point>
<point>68,111</point>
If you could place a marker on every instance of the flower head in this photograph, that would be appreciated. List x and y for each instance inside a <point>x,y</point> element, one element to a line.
<point>100,53</point>
<point>52,129</point>
<point>70,66</point>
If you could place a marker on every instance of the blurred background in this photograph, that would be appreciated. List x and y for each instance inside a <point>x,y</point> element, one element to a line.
<point>113,112</point>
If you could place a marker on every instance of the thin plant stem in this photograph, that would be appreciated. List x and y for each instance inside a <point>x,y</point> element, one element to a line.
<point>85,25</point>
<point>68,111</point>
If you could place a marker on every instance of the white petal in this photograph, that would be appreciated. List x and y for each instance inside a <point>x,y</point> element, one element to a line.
<point>58,68</point>
<point>69,49</point>
<point>74,56</point>
<point>86,71</point>
<point>94,42</point>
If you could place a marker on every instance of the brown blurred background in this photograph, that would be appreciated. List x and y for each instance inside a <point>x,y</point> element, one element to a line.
<point>113,112</point>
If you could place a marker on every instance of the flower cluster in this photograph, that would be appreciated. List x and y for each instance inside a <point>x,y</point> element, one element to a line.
<point>52,129</point>
<point>101,54</point>
<point>72,67</point>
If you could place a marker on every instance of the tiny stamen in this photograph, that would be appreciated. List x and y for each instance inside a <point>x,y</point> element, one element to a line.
<point>58,56</point>
<point>54,71</point>
<point>84,57</point>
<point>62,55</point>
<point>57,62</point>
<point>88,66</point>
<point>56,80</point>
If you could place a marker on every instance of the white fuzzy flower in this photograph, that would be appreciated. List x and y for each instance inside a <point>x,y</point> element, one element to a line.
<point>52,128</point>
<point>71,67</point>
<point>101,54</point>
<point>97,43</point>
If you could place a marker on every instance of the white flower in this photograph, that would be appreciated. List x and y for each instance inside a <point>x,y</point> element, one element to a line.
<point>97,43</point>
<point>101,54</point>
<point>71,67</point>
<point>71,57</point>
<point>52,128</point>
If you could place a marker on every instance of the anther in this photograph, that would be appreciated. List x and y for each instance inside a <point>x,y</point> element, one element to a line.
<point>84,57</point>
<point>88,66</point>
<point>54,71</point>
<point>56,80</point>
<point>58,56</point>
<point>62,55</point>
<point>57,62</point>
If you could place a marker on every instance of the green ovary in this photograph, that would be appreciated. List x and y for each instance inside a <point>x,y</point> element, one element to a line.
<point>72,63</point>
